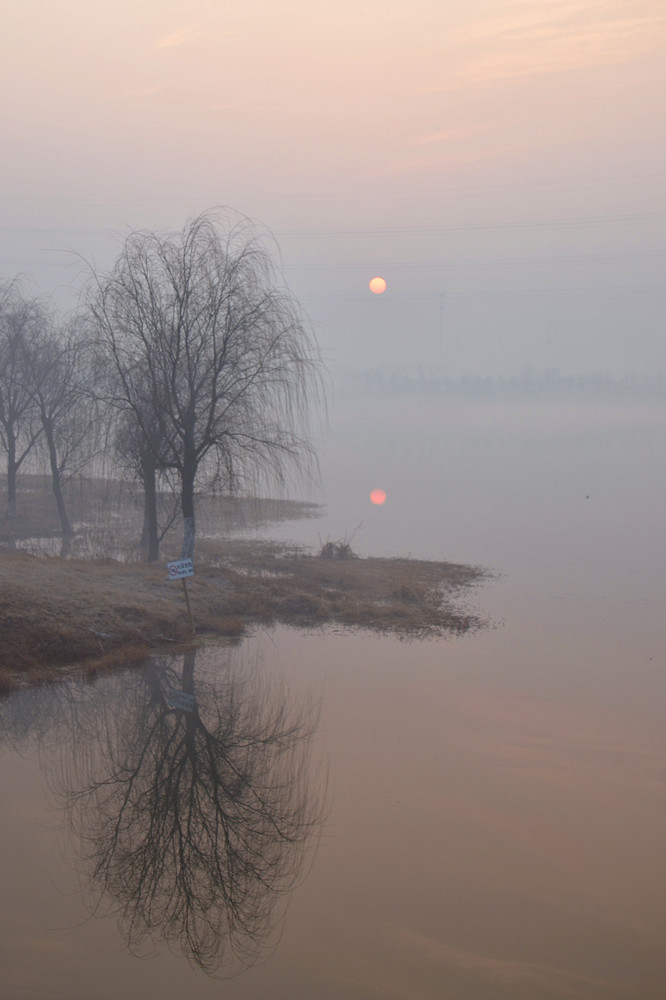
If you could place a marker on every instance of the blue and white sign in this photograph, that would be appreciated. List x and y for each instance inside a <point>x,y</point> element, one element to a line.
<point>180,568</point>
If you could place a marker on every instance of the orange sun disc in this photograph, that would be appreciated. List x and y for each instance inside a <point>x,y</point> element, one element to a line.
<point>377,285</point>
<point>377,496</point>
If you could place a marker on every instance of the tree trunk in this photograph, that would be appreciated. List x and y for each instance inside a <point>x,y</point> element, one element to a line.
<point>67,531</point>
<point>187,507</point>
<point>56,482</point>
<point>11,477</point>
<point>149,535</point>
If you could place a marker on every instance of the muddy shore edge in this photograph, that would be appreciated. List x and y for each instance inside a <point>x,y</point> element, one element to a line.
<point>100,614</point>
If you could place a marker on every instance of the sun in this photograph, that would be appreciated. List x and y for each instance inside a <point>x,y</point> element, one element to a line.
<point>377,285</point>
<point>377,496</point>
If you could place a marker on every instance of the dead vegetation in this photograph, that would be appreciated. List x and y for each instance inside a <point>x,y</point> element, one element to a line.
<point>337,550</point>
<point>100,613</point>
<point>56,612</point>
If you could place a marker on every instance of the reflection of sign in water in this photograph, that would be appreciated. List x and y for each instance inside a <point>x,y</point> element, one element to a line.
<point>180,568</point>
<point>180,699</point>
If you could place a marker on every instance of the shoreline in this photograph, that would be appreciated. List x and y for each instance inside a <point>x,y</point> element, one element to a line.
<point>59,615</point>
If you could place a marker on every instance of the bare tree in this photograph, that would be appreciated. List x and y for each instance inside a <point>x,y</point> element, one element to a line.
<point>216,361</point>
<point>19,320</point>
<point>59,377</point>
<point>137,448</point>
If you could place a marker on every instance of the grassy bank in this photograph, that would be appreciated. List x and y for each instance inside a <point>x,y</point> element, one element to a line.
<point>100,613</point>
<point>93,612</point>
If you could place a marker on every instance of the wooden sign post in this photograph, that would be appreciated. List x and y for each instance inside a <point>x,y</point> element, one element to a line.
<point>180,570</point>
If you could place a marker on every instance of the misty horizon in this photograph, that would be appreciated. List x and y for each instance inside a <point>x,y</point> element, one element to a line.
<point>448,348</point>
<point>500,165</point>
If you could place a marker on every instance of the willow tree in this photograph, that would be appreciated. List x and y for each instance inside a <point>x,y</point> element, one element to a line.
<point>214,357</point>
<point>20,319</point>
<point>60,375</point>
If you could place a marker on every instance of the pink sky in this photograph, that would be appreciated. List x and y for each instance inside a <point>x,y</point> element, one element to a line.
<point>357,115</point>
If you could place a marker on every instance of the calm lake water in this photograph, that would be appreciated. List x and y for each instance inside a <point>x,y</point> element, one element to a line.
<point>480,818</point>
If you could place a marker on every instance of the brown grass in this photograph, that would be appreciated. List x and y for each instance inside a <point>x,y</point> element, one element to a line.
<point>100,613</point>
<point>55,612</point>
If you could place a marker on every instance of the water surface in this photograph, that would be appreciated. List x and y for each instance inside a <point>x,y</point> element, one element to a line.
<point>493,814</point>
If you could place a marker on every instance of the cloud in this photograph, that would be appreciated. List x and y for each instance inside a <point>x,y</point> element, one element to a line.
<point>182,36</point>
<point>524,39</point>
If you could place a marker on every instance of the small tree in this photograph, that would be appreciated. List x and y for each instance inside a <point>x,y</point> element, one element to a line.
<point>59,377</point>
<point>216,361</point>
<point>20,319</point>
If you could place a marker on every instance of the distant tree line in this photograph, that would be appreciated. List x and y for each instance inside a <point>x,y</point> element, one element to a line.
<point>188,365</point>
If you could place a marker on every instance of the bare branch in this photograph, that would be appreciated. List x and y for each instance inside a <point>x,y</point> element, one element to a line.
<point>213,356</point>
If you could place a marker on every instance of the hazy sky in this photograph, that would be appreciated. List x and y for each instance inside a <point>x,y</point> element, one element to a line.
<point>500,162</point>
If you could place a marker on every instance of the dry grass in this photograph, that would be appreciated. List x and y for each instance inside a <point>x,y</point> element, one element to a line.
<point>56,611</point>
<point>100,613</point>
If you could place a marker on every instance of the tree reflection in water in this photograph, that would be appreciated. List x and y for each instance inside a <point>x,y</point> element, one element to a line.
<point>193,825</point>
